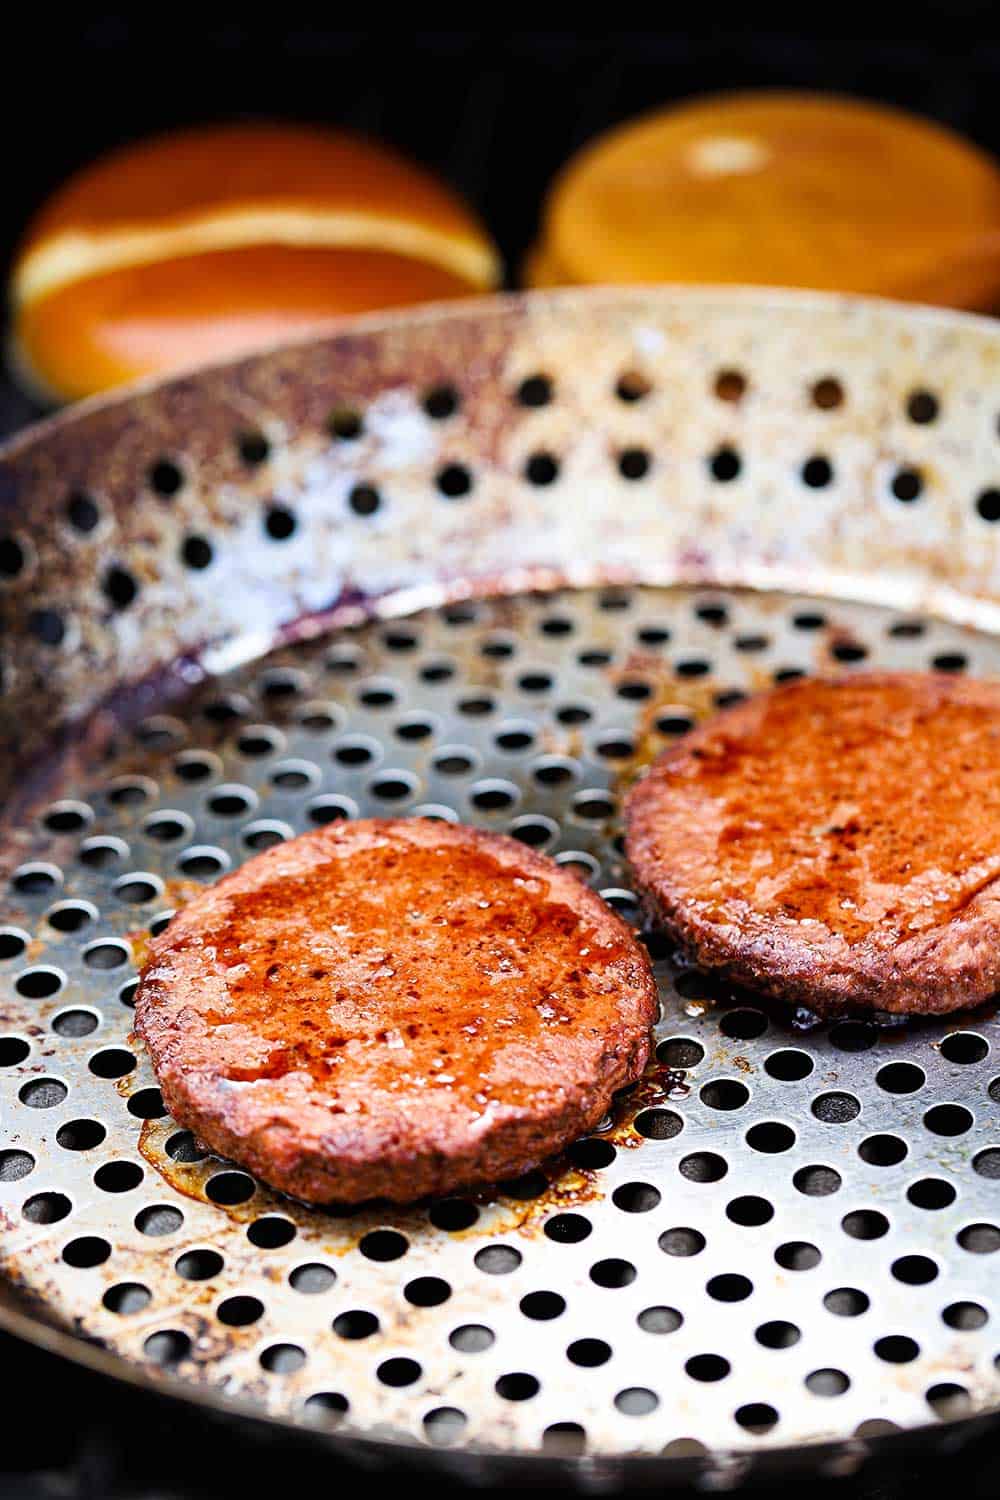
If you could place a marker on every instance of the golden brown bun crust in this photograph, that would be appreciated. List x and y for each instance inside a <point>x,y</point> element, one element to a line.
<point>158,318</point>
<point>235,165</point>
<point>835,844</point>
<point>781,188</point>
<point>392,1008</point>
<point>210,243</point>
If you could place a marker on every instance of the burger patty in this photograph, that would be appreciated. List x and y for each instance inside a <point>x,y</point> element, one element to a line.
<point>834,843</point>
<point>393,1008</point>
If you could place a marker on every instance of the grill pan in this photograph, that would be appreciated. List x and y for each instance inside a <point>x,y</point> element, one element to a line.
<point>486,562</point>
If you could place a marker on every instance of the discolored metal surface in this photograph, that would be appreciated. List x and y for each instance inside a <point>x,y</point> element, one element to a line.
<point>844,1180</point>
<point>787,439</point>
<point>787,1231</point>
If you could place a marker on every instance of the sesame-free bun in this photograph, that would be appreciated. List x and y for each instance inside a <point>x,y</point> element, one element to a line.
<point>209,242</point>
<point>779,188</point>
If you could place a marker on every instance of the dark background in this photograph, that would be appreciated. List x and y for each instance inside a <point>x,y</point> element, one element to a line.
<point>497,115</point>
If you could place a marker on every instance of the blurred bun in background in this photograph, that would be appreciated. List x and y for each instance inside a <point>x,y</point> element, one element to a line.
<point>783,189</point>
<point>201,245</point>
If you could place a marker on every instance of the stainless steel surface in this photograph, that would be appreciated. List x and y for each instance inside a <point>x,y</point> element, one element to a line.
<point>703,438</point>
<point>787,1233</point>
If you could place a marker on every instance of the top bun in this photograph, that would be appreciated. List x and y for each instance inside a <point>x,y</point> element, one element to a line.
<point>779,188</point>
<point>209,242</point>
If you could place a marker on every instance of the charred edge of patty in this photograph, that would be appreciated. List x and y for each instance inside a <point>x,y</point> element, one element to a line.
<point>806,978</point>
<point>514,1147</point>
<point>307,1170</point>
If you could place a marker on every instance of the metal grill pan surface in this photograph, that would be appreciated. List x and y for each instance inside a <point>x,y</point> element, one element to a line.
<point>485,564</point>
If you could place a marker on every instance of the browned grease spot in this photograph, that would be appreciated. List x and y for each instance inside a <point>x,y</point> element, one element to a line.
<point>694,696</point>
<point>569,1185</point>
<point>188,1177</point>
<point>658,1085</point>
<point>177,893</point>
<point>138,939</point>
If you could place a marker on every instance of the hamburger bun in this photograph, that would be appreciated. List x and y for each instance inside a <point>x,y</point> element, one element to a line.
<point>207,243</point>
<point>779,188</point>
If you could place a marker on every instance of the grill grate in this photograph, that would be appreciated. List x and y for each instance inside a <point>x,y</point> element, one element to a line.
<point>786,1232</point>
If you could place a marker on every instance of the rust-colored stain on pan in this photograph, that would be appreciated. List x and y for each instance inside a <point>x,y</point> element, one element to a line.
<point>644,547</point>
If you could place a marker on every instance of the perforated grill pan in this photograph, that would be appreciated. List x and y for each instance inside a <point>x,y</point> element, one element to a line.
<point>486,563</point>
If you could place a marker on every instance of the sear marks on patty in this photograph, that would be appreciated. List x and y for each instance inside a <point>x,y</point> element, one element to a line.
<point>834,843</point>
<point>392,1008</point>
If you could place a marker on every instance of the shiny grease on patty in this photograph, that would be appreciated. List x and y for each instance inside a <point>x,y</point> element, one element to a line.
<point>834,843</point>
<point>392,1008</point>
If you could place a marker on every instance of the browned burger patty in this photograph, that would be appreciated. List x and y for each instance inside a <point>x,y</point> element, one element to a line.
<point>394,1008</point>
<point>834,843</point>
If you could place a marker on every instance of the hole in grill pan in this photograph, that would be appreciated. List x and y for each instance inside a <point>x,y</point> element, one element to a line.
<point>726,1065</point>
